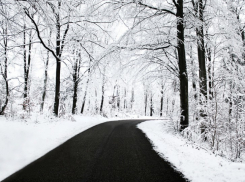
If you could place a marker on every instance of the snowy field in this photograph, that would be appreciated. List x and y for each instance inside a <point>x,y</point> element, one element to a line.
<point>197,165</point>
<point>23,141</point>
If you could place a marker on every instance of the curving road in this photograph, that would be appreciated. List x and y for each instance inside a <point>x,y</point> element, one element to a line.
<point>114,151</point>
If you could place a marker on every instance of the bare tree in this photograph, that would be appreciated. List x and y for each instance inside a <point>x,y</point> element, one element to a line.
<point>75,75</point>
<point>4,66</point>
<point>60,42</point>
<point>27,65</point>
<point>45,76</point>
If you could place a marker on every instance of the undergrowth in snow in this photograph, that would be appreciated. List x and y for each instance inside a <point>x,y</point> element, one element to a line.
<point>196,164</point>
<point>24,140</point>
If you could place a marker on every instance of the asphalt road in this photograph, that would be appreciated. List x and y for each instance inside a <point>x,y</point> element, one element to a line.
<point>110,152</point>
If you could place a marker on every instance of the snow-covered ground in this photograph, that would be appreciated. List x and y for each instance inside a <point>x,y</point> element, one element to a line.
<point>23,141</point>
<point>197,165</point>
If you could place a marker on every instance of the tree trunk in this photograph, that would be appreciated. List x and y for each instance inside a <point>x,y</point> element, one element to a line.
<point>96,108</point>
<point>6,99</point>
<point>5,73</point>
<point>194,76</point>
<point>201,51</point>
<point>57,88</point>
<point>151,106</point>
<point>118,98</point>
<point>103,91</point>
<point>183,77</point>
<point>194,84</point>
<point>125,99</point>
<point>25,67</point>
<point>243,41</point>
<point>27,64</point>
<point>230,102</point>
<point>74,104</point>
<point>210,74</point>
<point>161,107</point>
<point>86,89</point>
<point>132,98</point>
<point>45,82</point>
<point>84,101</point>
<point>58,64</point>
<point>102,98</point>
<point>75,86</point>
<point>146,98</point>
<point>45,77</point>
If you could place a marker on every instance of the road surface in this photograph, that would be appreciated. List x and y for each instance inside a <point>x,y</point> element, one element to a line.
<point>114,151</point>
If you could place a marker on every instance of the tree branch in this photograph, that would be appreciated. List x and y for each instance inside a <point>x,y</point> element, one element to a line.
<point>63,39</point>
<point>39,36</point>
<point>158,9</point>
<point>144,47</point>
<point>175,3</point>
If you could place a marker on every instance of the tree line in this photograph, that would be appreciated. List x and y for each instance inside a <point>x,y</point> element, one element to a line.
<point>175,58</point>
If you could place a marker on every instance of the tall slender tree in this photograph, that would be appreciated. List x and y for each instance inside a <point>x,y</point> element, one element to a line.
<point>199,7</point>
<point>4,66</point>
<point>56,8</point>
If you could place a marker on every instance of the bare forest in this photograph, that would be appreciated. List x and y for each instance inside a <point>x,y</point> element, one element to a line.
<point>176,59</point>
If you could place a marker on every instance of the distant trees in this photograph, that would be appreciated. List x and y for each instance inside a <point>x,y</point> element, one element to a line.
<point>61,17</point>
<point>143,57</point>
<point>7,36</point>
<point>162,39</point>
<point>60,14</point>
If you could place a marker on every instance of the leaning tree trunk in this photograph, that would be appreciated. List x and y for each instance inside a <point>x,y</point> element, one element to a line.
<point>86,89</point>
<point>84,98</point>
<point>183,77</point>
<point>102,97</point>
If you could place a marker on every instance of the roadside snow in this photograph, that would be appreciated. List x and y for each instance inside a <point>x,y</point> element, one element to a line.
<point>22,142</point>
<point>195,164</point>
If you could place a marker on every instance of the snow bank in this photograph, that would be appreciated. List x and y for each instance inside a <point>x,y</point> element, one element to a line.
<point>196,164</point>
<point>23,141</point>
